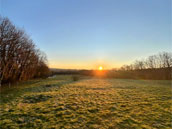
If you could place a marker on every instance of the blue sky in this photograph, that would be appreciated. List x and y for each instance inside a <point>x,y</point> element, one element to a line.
<point>88,33</point>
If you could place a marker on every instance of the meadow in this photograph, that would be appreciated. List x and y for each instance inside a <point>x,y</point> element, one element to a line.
<point>94,103</point>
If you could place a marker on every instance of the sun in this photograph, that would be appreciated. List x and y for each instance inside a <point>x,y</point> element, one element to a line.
<point>100,68</point>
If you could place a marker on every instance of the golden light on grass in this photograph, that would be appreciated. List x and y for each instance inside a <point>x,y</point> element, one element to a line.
<point>100,68</point>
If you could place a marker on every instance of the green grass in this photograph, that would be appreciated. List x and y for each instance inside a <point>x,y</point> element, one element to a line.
<point>90,103</point>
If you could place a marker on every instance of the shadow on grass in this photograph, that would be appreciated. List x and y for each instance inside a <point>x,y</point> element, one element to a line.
<point>8,94</point>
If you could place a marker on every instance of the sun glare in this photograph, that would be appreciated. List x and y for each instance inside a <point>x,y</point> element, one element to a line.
<point>100,68</point>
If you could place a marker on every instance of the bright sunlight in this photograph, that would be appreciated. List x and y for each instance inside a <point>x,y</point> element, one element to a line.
<point>100,68</point>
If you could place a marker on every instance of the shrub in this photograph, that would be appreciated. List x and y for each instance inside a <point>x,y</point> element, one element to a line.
<point>75,78</point>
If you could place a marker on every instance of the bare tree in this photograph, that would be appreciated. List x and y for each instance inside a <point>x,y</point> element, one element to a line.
<point>138,65</point>
<point>165,59</point>
<point>19,59</point>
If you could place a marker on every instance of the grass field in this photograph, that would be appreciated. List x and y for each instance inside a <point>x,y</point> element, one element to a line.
<point>90,103</point>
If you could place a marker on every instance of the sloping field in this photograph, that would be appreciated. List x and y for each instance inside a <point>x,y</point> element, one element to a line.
<point>88,103</point>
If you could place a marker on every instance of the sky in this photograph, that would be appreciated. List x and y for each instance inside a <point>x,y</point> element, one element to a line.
<point>83,34</point>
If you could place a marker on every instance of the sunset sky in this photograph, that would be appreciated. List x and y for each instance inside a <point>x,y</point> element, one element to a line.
<point>88,33</point>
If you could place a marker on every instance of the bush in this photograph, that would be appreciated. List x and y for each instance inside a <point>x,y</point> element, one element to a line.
<point>75,78</point>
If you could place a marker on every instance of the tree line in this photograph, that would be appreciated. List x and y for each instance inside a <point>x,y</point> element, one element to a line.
<point>155,67</point>
<point>19,57</point>
<point>159,61</point>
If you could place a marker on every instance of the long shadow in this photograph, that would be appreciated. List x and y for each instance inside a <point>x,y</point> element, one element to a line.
<point>12,93</point>
<point>8,94</point>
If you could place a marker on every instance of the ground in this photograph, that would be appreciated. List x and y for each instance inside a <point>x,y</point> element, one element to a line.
<point>60,102</point>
